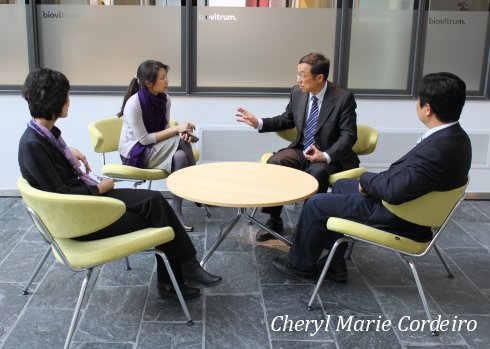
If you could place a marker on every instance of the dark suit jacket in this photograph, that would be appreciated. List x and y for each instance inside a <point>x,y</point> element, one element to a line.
<point>440,162</point>
<point>46,168</point>
<point>336,130</point>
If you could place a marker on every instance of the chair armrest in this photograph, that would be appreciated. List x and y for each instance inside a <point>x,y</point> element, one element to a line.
<point>265,157</point>
<point>69,216</point>
<point>96,137</point>
<point>353,173</point>
<point>377,236</point>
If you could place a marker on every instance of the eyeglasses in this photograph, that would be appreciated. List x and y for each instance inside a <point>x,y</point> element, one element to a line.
<point>301,77</point>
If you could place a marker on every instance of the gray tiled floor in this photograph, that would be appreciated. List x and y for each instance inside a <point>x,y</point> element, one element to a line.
<point>124,310</point>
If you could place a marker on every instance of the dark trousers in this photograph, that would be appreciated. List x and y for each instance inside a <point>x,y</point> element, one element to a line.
<point>312,236</point>
<point>294,158</point>
<point>144,209</point>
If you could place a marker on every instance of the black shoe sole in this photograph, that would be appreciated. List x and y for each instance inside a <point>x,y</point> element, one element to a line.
<point>264,237</point>
<point>203,284</point>
<point>171,294</point>
<point>337,278</point>
<point>293,272</point>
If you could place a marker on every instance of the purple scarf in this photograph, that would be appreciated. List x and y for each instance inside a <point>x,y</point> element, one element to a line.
<point>54,137</point>
<point>154,109</point>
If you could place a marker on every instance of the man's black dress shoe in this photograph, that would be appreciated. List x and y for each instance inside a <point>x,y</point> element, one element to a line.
<point>337,271</point>
<point>192,270</point>
<point>273,223</point>
<point>288,269</point>
<point>168,291</point>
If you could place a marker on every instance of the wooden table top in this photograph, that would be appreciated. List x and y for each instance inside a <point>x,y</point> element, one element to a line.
<point>242,184</point>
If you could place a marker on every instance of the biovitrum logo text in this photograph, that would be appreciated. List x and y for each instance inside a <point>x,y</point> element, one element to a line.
<point>216,17</point>
<point>60,15</point>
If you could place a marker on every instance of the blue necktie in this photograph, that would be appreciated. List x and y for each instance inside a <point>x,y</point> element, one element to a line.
<point>311,124</point>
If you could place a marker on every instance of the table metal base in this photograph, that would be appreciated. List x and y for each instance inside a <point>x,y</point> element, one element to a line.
<point>241,212</point>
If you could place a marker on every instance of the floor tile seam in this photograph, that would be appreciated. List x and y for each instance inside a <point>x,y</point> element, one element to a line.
<point>289,284</point>
<point>170,322</point>
<point>98,342</point>
<point>88,301</point>
<point>50,268</point>
<point>467,277</point>
<point>438,311</point>
<point>305,340</point>
<point>464,314</point>
<point>6,210</point>
<point>136,341</point>
<point>481,247</point>
<point>24,309</point>
<point>429,344</point>
<point>10,252</point>
<point>121,286</point>
<point>470,235</point>
<point>261,290</point>
<point>335,341</point>
<point>241,294</point>
<point>469,220</point>
<point>203,327</point>
<point>15,202</point>
<point>377,298</point>
<point>479,210</point>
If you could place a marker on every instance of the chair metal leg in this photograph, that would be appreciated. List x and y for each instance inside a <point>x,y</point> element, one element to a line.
<point>421,291</point>
<point>176,287</point>
<point>149,185</point>
<point>252,215</point>
<point>74,320</point>
<point>128,267</point>
<point>325,269</point>
<point>443,260</point>
<point>349,253</point>
<point>208,212</point>
<point>34,274</point>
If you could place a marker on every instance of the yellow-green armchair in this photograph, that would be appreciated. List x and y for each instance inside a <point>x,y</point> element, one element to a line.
<point>62,217</point>
<point>433,210</point>
<point>104,136</point>
<point>367,138</point>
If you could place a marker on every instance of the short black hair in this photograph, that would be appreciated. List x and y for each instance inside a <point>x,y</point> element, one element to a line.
<point>46,92</point>
<point>445,93</point>
<point>319,64</point>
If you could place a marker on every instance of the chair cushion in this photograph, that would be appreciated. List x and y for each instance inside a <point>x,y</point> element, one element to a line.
<point>88,254</point>
<point>366,233</point>
<point>131,172</point>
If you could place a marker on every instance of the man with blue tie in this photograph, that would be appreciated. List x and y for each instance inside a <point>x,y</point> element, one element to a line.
<point>440,161</point>
<point>325,117</point>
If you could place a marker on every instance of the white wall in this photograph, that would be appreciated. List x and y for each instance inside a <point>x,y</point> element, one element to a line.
<point>384,115</point>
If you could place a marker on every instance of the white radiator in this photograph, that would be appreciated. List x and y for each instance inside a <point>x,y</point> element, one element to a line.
<point>231,143</point>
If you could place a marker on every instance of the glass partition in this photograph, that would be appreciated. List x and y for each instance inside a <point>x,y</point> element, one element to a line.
<point>99,45</point>
<point>381,37</point>
<point>457,41</point>
<point>256,45</point>
<point>14,61</point>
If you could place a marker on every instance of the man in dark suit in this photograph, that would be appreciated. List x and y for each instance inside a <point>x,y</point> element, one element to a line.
<point>325,118</point>
<point>439,162</point>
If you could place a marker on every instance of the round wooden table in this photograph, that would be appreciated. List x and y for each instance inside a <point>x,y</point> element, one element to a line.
<point>242,185</point>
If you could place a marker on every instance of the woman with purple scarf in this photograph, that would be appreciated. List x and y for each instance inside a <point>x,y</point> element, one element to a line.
<point>147,140</point>
<point>48,164</point>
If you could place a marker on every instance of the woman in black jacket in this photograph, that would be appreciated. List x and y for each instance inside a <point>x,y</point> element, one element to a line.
<point>48,164</point>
